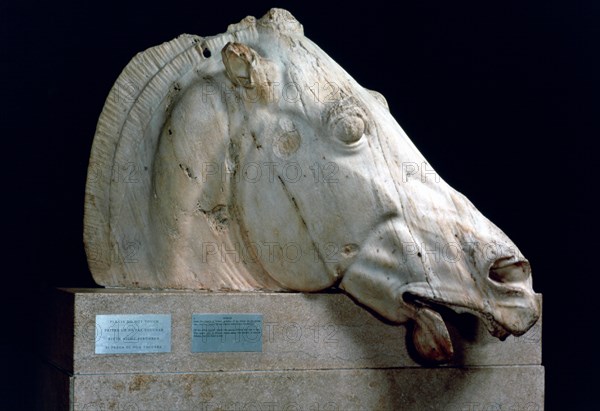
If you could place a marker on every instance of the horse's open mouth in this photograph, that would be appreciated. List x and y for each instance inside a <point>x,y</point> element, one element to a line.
<point>430,336</point>
<point>493,326</point>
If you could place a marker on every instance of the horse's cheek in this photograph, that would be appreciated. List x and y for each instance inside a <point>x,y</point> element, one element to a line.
<point>274,227</point>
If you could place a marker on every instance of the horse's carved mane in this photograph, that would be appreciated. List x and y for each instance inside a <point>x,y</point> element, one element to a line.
<point>122,202</point>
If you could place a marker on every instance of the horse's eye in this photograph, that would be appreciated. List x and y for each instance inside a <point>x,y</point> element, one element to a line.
<point>349,129</point>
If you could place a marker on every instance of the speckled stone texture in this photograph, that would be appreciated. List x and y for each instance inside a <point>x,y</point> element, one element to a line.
<point>320,352</point>
<point>418,389</point>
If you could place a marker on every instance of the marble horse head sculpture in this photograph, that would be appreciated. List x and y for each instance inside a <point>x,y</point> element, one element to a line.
<point>252,161</point>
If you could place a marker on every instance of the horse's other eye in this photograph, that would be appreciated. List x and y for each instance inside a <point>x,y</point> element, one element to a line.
<point>349,129</point>
<point>348,120</point>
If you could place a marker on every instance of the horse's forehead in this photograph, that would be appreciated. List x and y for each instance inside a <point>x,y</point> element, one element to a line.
<point>311,77</point>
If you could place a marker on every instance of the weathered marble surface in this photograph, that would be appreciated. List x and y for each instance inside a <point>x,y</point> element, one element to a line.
<point>250,160</point>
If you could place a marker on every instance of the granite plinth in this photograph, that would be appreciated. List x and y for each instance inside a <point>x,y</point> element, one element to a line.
<point>410,389</point>
<point>319,352</point>
<point>300,331</point>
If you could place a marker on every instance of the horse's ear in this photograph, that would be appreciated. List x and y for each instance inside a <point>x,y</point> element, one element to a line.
<point>379,97</point>
<point>246,68</point>
<point>281,21</point>
<point>242,64</point>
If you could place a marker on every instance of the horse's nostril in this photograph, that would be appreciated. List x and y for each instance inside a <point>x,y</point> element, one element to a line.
<point>511,273</point>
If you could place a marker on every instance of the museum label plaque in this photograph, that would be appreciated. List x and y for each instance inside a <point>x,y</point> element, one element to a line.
<point>133,333</point>
<point>227,332</point>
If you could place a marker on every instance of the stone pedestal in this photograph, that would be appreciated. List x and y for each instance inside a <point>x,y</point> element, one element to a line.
<point>319,352</point>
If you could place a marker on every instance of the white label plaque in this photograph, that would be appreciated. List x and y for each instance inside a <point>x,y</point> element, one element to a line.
<point>227,332</point>
<point>133,333</point>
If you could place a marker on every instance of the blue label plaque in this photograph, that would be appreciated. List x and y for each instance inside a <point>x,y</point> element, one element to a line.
<point>227,332</point>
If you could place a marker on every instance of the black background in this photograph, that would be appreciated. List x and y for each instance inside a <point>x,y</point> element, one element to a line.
<point>500,96</point>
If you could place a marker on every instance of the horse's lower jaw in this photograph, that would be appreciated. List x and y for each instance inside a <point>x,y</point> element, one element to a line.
<point>430,336</point>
